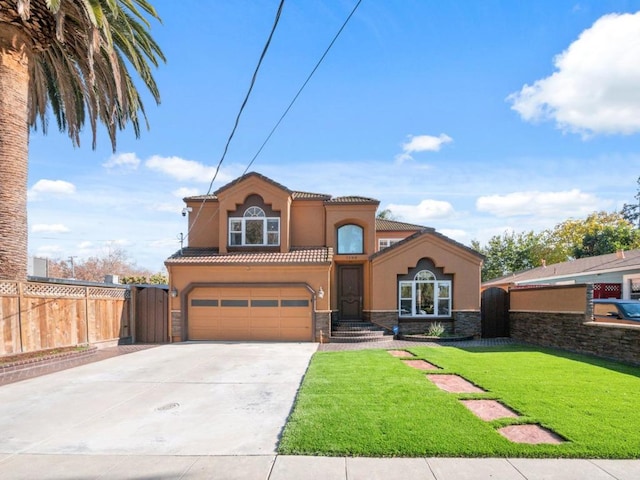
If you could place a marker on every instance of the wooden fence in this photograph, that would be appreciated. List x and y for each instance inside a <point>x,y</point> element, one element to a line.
<point>38,316</point>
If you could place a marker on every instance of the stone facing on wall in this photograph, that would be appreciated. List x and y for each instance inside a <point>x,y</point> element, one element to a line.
<point>468,323</point>
<point>323,325</point>
<point>176,325</point>
<point>386,319</point>
<point>575,332</point>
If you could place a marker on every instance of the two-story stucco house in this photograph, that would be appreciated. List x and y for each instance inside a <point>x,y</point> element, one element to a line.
<point>267,263</point>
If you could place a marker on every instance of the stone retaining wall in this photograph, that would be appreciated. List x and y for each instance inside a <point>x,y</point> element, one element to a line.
<point>575,332</point>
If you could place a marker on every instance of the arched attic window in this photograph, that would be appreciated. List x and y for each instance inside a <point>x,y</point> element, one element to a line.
<point>350,239</point>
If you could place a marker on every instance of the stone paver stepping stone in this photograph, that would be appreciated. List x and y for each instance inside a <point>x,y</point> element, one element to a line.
<point>488,410</point>
<point>400,353</point>
<point>420,364</point>
<point>533,434</point>
<point>454,384</point>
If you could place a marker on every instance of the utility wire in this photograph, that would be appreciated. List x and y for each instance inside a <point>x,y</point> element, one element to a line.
<point>303,86</point>
<point>244,103</point>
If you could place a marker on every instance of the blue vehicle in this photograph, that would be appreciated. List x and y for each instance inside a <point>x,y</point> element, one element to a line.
<point>616,311</point>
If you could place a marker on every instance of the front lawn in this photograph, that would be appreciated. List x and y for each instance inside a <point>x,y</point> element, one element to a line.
<point>369,403</point>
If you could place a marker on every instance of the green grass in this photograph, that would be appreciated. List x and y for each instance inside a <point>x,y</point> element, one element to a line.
<point>368,403</point>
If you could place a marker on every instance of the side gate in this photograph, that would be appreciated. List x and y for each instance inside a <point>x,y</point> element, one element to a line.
<point>495,313</point>
<point>151,319</point>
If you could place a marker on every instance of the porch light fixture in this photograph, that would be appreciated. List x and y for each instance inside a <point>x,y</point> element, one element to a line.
<point>174,292</point>
<point>320,293</point>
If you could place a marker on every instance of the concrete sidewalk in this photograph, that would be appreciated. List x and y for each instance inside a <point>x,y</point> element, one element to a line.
<point>279,467</point>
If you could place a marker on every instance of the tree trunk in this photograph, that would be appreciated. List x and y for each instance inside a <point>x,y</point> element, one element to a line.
<point>14,152</point>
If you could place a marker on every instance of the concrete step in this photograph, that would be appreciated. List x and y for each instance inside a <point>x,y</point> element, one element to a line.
<point>377,339</point>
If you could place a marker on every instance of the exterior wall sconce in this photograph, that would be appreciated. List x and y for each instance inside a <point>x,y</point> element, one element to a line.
<point>320,293</point>
<point>174,292</point>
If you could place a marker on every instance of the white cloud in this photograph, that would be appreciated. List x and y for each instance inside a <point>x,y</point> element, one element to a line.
<point>564,204</point>
<point>422,143</point>
<point>85,244</point>
<point>126,161</point>
<point>595,86</point>
<point>181,169</point>
<point>167,207</point>
<point>185,192</point>
<point>49,228</point>
<point>54,187</point>
<point>426,210</point>
<point>458,235</point>
<point>49,251</point>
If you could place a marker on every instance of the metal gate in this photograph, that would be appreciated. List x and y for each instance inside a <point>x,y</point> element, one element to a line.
<point>495,313</point>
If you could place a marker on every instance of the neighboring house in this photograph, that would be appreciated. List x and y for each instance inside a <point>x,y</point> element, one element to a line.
<point>267,263</point>
<point>615,275</point>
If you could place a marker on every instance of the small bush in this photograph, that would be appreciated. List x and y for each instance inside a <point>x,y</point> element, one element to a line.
<point>436,329</point>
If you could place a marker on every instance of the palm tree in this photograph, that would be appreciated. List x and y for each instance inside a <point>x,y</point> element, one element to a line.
<point>70,58</point>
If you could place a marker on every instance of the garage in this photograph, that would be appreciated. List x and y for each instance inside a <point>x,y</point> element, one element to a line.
<point>253,314</point>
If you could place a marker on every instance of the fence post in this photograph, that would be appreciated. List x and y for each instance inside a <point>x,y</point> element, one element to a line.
<point>19,285</point>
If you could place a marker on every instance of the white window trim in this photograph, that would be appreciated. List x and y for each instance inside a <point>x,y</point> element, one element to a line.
<point>388,242</point>
<point>436,291</point>
<point>243,229</point>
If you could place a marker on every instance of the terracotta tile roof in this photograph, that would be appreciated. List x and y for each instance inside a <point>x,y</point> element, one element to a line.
<point>319,255</point>
<point>247,175</point>
<point>353,199</point>
<point>384,225</point>
<point>200,198</point>
<point>310,196</point>
<point>589,265</point>
<point>424,231</point>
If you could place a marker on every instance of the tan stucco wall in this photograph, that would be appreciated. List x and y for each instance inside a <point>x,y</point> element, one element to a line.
<point>234,196</point>
<point>457,261</point>
<point>569,298</point>
<point>362,215</point>
<point>204,234</point>
<point>307,223</point>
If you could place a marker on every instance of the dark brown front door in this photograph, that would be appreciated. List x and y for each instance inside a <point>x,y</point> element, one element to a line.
<point>350,292</point>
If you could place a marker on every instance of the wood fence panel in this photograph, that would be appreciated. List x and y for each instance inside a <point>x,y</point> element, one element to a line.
<point>9,325</point>
<point>38,316</point>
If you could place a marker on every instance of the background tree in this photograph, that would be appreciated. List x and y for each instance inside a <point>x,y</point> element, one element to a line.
<point>631,211</point>
<point>386,214</point>
<point>600,233</point>
<point>70,58</point>
<point>94,269</point>
<point>511,252</point>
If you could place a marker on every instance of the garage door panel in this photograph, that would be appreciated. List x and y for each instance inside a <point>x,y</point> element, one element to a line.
<point>265,322</point>
<point>267,314</point>
<point>295,334</point>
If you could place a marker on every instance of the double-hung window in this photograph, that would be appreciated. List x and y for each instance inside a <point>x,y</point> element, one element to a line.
<point>425,296</point>
<point>254,228</point>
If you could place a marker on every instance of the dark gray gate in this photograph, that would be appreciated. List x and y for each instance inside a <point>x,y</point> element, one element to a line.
<point>495,313</point>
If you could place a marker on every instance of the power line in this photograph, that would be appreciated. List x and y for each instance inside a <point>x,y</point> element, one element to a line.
<point>303,86</point>
<point>244,103</point>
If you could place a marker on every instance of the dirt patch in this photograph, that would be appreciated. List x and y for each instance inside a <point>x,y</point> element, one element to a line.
<point>420,364</point>
<point>454,384</point>
<point>400,353</point>
<point>489,410</point>
<point>533,434</point>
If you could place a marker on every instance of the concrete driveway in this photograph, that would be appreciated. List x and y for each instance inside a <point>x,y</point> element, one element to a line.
<point>178,399</point>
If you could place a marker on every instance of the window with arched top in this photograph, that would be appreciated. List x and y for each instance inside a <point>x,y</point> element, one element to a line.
<point>350,239</point>
<point>254,228</point>
<point>425,296</point>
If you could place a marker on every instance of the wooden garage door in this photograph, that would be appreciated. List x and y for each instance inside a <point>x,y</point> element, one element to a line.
<point>271,314</point>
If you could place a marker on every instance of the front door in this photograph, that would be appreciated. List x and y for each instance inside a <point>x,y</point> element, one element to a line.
<point>350,292</point>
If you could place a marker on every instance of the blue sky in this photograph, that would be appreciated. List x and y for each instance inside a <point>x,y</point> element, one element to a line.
<point>471,117</point>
